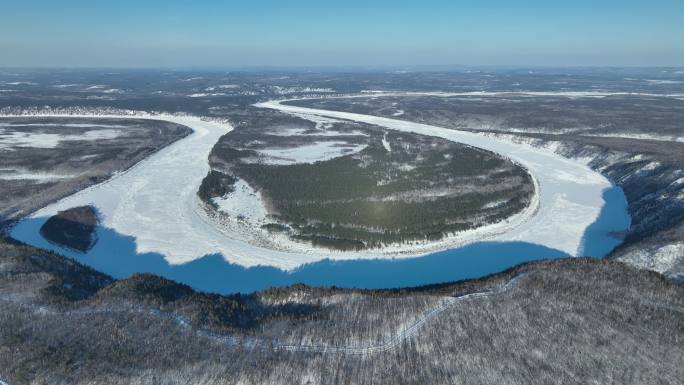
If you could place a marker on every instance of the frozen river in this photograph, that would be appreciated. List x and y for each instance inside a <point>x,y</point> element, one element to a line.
<point>151,221</point>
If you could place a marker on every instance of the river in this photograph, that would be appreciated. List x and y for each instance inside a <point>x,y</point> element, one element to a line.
<point>150,222</point>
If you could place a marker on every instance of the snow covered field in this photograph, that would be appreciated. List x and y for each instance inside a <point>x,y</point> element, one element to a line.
<point>44,140</point>
<point>243,202</point>
<point>22,174</point>
<point>155,203</point>
<point>570,194</point>
<point>567,94</point>
<point>309,153</point>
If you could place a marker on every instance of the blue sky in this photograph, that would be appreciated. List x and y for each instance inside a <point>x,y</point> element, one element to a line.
<point>127,33</point>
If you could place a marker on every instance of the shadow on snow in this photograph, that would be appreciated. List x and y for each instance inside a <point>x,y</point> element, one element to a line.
<point>607,232</point>
<point>115,255</point>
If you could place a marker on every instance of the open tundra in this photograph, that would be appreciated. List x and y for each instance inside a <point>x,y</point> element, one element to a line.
<point>156,204</point>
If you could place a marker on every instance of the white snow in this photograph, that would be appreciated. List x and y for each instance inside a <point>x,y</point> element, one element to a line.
<point>324,126</point>
<point>65,85</point>
<point>222,87</point>
<point>309,153</point>
<point>244,203</point>
<point>568,94</point>
<point>647,168</point>
<point>494,204</point>
<point>322,122</point>
<point>291,131</point>
<point>21,174</point>
<point>71,125</point>
<point>386,143</point>
<point>204,94</point>
<point>661,259</point>
<point>569,193</point>
<point>43,140</point>
<point>629,135</point>
<point>660,81</point>
<point>156,200</point>
<point>292,90</point>
<point>398,113</point>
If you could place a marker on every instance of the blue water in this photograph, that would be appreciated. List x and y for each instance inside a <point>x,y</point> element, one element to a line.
<point>116,256</point>
<point>601,237</point>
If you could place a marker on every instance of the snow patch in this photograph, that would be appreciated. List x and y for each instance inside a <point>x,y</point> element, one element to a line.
<point>386,143</point>
<point>660,81</point>
<point>222,87</point>
<point>279,90</point>
<point>43,140</point>
<point>661,259</point>
<point>21,174</point>
<point>322,122</point>
<point>569,193</point>
<point>203,95</point>
<point>304,132</point>
<point>70,125</point>
<point>65,85</point>
<point>629,135</point>
<point>493,205</point>
<point>567,94</point>
<point>243,204</point>
<point>146,202</point>
<point>310,153</point>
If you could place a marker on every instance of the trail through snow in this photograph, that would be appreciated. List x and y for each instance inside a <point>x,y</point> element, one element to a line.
<point>394,341</point>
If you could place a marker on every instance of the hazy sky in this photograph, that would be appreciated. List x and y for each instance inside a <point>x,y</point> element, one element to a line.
<point>176,33</point>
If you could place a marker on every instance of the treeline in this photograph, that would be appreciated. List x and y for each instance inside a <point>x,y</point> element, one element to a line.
<point>336,225</point>
<point>215,184</point>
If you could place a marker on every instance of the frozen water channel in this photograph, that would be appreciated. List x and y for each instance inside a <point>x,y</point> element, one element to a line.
<point>152,221</point>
